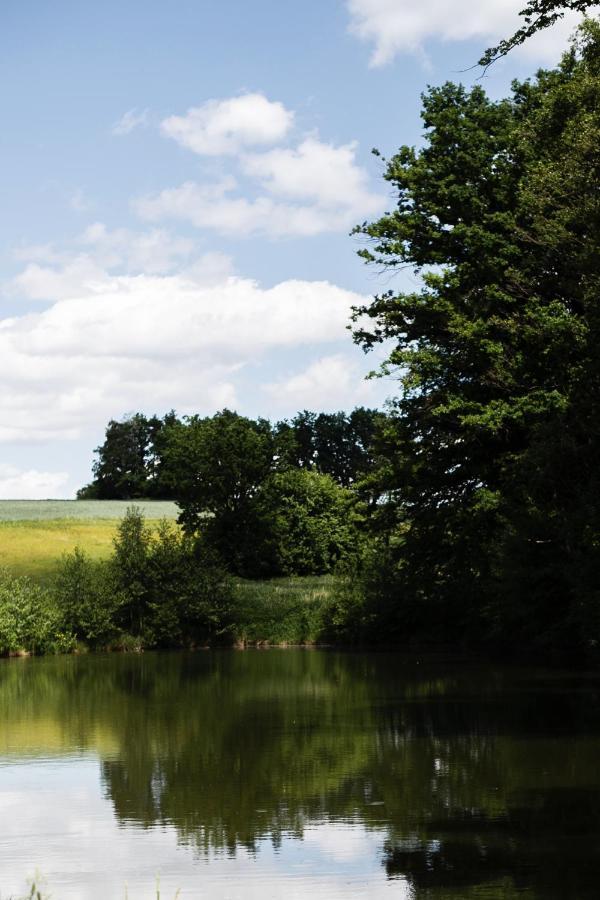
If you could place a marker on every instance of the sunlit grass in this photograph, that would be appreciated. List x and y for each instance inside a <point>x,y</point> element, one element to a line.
<point>41,510</point>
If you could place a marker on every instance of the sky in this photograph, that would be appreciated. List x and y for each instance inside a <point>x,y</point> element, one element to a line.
<point>178,184</point>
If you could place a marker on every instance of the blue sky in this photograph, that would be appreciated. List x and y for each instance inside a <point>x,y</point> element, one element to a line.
<point>178,184</point>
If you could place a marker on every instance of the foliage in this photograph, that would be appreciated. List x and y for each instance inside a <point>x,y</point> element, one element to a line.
<point>216,467</point>
<point>30,619</point>
<point>491,501</point>
<point>139,457</point>
<point>309,523</point>
<point>159,589</point>
<point>335,444</point>
<point>88,599</point>
<point>129,463</point>
<point>282,610</point>
<point>538,15</point>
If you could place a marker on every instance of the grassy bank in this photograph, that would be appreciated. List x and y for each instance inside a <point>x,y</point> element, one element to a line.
<point>282,610</point>
<point>46,607</point>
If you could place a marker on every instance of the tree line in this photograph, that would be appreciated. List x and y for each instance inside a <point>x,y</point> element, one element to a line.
<point>268,499</point>
<point>136,460</point>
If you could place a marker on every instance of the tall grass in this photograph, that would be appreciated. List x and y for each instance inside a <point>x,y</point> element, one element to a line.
<point>283,610</point>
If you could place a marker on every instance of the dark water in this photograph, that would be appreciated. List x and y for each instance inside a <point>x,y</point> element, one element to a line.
<point>298,774</point>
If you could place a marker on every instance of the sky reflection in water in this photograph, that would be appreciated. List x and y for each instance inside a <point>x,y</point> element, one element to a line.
<point>295,774</point>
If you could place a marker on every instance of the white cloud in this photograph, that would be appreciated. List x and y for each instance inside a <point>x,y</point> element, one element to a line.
<point>151,252</point>
<point>131,120</point>
<point>314,188</point>
<point>405,26</point>
<point>331,382</point>
<point>151,342</point>
<point>315,171</point>
<point>30,484</point>
<point>53,274</point>
<point>221,127</point>
<point>41,282</point>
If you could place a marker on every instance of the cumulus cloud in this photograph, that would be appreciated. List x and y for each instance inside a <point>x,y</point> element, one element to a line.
<point>222,127</point>
<point>151,252</point>
<point>330,382</point>
<point>405,26</point>
<point>30,484</point>
<point>131,120</point>
<point>135,342</point>
<point>52,273</point>
<point>304,191</point>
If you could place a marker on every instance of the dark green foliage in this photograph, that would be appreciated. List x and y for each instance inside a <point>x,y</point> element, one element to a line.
<point>310,523</point>
<point>335,444</point>
<point>129,463</point>
<point>216,468</point>
<point>142,458</point>
<point>257,497</point>
<point>159,589</point>
<point>283,610</point>
<point>538,15</point>
<point>489,496</point>
<point>88,598</point>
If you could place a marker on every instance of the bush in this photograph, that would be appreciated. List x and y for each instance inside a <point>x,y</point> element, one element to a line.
<point>88,599</point>
<point>189,593</point>
<point>30,619</point>
<point>310,523</point>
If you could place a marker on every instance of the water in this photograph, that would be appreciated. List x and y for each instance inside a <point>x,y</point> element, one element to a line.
<point>296,774</point>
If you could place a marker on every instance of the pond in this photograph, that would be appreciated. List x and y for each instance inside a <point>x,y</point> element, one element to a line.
<point>296,774</point>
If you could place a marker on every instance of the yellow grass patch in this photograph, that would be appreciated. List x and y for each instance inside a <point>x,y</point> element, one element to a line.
<point>35,548</point>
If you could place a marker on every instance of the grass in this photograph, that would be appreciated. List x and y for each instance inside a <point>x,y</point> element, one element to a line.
<point>35,548</point>
<point>283,610</point>
<point>34,534</point>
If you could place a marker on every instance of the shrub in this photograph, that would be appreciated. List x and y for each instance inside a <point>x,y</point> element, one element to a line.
<point>88,599</point>
<point>310,523</point>
<point>30,619</point>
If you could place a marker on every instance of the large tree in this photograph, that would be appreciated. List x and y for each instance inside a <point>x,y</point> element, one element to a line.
<point>490,459</point>
<point>215,467</point>
<point>129,461</point>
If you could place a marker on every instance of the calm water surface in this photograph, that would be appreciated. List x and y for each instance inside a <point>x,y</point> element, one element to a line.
<point>298,774</point>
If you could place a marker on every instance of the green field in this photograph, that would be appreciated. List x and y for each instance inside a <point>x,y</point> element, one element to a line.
<point>43,510</point>
<point>34,534</point>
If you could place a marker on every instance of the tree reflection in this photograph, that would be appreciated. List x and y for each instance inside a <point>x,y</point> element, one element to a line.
<point>481,780</point>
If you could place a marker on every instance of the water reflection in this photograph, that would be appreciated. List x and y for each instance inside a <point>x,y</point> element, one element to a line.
<point>444,780</point>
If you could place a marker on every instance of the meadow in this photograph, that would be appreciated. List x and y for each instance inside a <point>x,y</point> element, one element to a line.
<point>35,534</point>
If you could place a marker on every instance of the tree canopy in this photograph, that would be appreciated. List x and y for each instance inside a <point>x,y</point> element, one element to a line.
<point>490,456</point>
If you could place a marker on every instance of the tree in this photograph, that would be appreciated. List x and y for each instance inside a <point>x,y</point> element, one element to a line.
<point>538,15</point>
<point>488,453</point>
<point>129,463</point>
<point>335,444</point>
<point>310,523</point>
<point>216,467</point>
